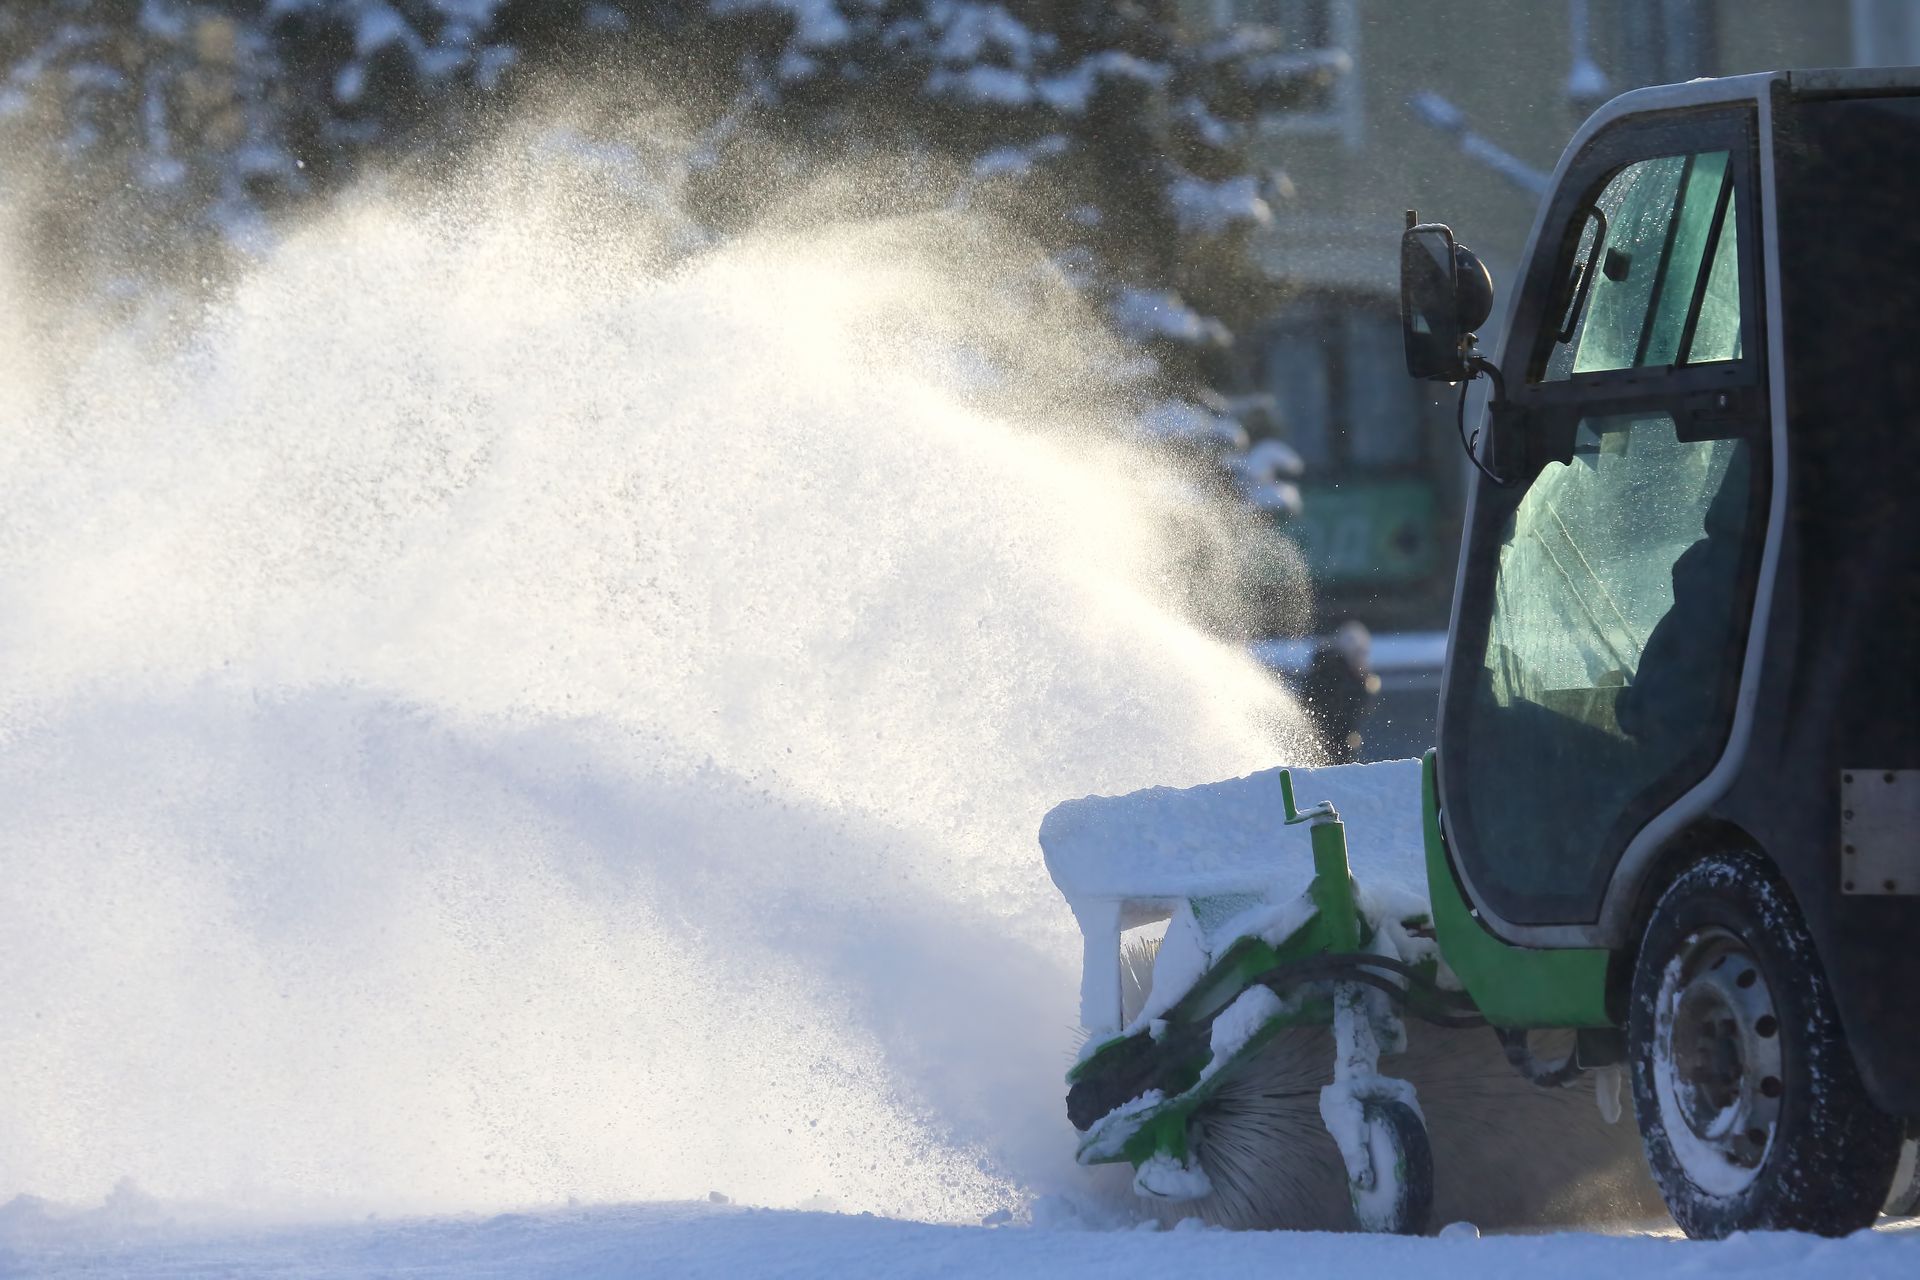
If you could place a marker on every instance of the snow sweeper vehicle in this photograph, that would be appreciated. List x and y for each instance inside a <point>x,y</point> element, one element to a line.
<point>1672,821</point>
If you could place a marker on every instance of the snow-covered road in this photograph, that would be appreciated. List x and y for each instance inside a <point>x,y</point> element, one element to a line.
<point>698,1240</point>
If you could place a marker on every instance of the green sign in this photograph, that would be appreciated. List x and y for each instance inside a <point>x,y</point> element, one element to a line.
<point>1380,531</point>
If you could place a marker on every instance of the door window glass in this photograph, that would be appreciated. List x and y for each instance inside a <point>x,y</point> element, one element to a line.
<point>1716,335</point>
<point>1613,647</point>
<point>1654,270</point>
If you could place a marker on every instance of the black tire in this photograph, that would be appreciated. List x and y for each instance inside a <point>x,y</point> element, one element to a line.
<point>1400,1143</point>
<point>1750,1105</point>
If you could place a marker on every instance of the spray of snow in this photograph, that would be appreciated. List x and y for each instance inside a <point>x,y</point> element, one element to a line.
<point>493,710</point>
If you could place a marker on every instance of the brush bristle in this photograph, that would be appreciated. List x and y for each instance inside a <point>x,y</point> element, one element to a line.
<point>1506,1153</point>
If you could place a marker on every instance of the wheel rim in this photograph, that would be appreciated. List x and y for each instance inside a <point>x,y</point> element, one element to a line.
<point>1718,1063</point>
<point>1904,1200</point>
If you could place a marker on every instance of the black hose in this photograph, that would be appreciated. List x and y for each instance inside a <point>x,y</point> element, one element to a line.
<point>1460,421</point>
<point>1454,1008</point>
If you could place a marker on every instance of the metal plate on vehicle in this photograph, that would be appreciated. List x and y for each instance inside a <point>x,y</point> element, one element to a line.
<point>1880,831</point>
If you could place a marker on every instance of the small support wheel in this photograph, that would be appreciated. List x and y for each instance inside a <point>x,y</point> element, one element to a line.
<point>1750,1106</point>
<point>1400,1201</point>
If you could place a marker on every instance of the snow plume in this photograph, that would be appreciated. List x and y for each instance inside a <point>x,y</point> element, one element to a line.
<point>496,708</point>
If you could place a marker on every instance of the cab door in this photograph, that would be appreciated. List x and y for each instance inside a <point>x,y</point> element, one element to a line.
<point>1607,581</point>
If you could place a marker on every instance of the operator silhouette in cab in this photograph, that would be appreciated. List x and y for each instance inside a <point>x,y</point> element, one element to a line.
<point>1685,677</point>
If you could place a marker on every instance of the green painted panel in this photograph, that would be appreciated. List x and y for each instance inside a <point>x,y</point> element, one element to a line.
<point>1513,986</point>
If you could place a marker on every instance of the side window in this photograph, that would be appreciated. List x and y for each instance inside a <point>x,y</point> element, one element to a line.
<point>1591,563</point>
<point>1654,279</point>
<point>1614,645</point>
<point>1716,334</point>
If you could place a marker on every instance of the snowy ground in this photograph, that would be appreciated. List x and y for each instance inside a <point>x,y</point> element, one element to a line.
<point>696,1240</point>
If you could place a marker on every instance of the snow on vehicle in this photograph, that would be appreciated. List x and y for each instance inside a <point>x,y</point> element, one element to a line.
<point>1675,804</point>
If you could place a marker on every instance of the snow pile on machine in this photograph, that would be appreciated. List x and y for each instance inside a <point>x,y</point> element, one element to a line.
<point>1218,862</point>
<point>1266,931</point>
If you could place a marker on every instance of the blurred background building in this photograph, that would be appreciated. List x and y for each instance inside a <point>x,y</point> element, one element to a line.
<point>1223,180</point>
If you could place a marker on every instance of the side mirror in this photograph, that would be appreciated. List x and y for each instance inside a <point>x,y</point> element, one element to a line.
<point>1446,293</point>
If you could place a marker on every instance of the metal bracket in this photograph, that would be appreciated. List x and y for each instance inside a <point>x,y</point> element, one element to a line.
<point>1319,813</point>
<point>1880,832</point>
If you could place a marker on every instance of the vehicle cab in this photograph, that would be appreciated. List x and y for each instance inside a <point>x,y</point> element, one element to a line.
<point>1690,576</point>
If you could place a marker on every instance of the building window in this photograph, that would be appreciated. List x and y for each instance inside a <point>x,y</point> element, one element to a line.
<point>1319,39</point>
<point>1886,33</point>
<point>1375,511</point>
<point>1668,41</point>
<point>1335,370</point>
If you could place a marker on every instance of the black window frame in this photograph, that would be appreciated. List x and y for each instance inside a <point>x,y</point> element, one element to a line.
<point>1721,399</point>
<point>1689,132</point>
